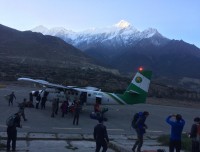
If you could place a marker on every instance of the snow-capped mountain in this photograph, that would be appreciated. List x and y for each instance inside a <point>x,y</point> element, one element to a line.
<point>120,46</point>
<point>125,48</point>
<point>120,34</point>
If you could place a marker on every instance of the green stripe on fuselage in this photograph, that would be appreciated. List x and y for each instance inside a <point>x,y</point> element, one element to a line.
<point>116,99</point>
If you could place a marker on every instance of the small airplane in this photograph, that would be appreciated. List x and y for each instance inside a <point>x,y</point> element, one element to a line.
<point>135,93</point>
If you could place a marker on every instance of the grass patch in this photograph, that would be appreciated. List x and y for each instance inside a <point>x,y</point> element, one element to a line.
<point>2,146</point>
<point>186,141</point>
<point>2,86</point>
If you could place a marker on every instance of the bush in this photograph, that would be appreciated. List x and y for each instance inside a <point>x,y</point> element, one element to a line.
<point>2,146</point>
<point>186,142</point>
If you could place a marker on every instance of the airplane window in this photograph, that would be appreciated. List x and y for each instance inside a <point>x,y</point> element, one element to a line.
<point>89,95</point>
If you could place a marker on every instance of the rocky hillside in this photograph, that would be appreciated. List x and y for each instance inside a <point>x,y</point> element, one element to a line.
<point>91,77</point>
<point>35,48</point>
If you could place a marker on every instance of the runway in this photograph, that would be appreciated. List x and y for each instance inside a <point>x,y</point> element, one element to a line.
<point>119,116</point>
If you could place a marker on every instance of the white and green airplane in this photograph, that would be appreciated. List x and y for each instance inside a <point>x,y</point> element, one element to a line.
<point>135,93</point>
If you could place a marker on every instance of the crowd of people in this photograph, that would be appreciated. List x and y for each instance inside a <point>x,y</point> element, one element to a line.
<point>100,132</point>
<point>14,120</point>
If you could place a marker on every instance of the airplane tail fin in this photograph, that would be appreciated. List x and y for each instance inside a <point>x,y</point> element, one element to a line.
<point>137,91</point>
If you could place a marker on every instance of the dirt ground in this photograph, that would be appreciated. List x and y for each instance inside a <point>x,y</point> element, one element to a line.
<point>172,102</point>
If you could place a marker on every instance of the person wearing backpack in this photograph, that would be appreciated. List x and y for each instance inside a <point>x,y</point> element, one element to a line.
<point>176,131</point>
<point>12,123</point>
<point>140,127</point>
<point>195,134</point>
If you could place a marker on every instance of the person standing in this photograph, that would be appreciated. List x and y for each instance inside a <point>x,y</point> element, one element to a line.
<point>194,135</point>
<point>140,128</point>
<point>54,106</point>
<point>21,109</point>
<point>38,98</point>
<point>64,108</point>
<point>11,98</point>
<point>57,106</point>
<point>43,102</point>
<point>44,99</point>
<point>101,136</point>
<point>31,97</point>
<point>97,107</point>
<point>77,109</point>
<point>176,131</point>
<point>12,131</point>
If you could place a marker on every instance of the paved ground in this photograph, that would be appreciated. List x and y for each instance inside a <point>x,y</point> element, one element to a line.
<point>119,117</point>
<point>44,142</point>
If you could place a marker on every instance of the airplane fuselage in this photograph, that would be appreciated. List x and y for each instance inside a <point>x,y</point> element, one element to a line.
<point>93,96</point>
<point>135,93</point>
<point>88,97</point>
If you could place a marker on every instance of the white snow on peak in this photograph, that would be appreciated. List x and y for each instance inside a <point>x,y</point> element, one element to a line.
<point>122,32</point>
<point>149,32</point>
<point>122,24</point>
<point>42,29</point>
<point>110,29</point>
<point>59,31</point>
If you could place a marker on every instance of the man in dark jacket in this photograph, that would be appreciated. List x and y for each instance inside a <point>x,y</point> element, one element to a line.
<point>193,135</point>
<point>38,98</point>
<point>12,132</point>
<point>77,110</point>
<point>101,136</point>
<point>11,98</point>
<point>140,128</point>
<point>176,131</point>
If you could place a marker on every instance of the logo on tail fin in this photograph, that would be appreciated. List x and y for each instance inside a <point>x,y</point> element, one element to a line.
<point>138,79</point>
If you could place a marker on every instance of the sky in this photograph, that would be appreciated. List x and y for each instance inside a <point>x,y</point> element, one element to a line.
<point>174,19</point>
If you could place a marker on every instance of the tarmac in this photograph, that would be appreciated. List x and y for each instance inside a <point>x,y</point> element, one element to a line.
<point>41,133</point>
<point>50,142</point>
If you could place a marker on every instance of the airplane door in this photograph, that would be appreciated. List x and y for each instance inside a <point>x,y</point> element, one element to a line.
<point>83,97</point>
<point>98,99</point>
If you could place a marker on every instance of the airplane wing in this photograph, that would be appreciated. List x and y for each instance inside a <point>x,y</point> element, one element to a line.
<point>45,83</point>
<point>42,82</point>
<point>92,88</point>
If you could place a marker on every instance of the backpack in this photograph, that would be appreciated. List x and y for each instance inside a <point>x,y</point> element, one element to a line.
<point>10,121</point>
<point>134,120</point>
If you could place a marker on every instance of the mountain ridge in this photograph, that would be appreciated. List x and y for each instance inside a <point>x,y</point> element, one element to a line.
<point>126,48</point>
<point>118,30</point>
<point>35,48</point>
<point>170,60</point>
